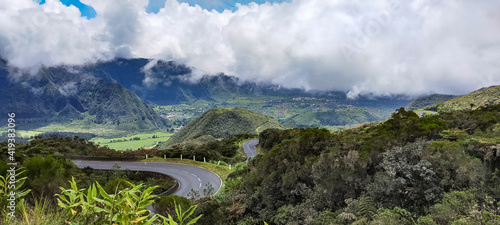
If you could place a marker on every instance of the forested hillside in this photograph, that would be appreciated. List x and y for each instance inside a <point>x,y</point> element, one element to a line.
<point>409,170</point>
<point>428,100</point>
<point>222,123</point>
<point>474,100</point>
<point>341,117</point>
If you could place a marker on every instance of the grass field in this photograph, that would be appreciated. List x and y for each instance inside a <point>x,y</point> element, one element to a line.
<point>97,129</point>
<point>26,134</point>
<point>133,142</point>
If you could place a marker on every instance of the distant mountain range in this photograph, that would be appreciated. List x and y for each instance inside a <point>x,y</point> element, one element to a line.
<point>120,95</point>
<point>61,95</point>
<point>168,83</point>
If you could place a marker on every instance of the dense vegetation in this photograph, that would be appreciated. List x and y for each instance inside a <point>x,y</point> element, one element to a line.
<point>440,169</point>
<point>474,100</point>
<point>332,118</point>
<point>432,170</point>
<point>222,123</point>
<point>428,100</point>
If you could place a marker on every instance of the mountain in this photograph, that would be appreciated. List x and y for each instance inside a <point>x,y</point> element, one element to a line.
<point>221,123</point>
<point>428,100</point>
<point>332,118</point>
<point>73,100</point>
<point>95,94</point>
<point>169,83</point>
<point>474,100</point>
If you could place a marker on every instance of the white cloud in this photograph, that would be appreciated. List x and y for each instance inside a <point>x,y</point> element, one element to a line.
<point>68,88</point>
<point>379,47</point>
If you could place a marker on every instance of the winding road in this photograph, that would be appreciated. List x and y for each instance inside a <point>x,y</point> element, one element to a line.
<point>188,177</point>
<point>249,148</point>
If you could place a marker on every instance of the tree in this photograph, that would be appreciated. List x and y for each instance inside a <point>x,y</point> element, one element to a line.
<point>406,179</point>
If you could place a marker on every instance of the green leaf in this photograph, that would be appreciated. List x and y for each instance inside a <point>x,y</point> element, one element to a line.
<point>139,219</point>
<point>189,212</point>
<point>103,192</point>
<point>193,221</point>
<point>152,219</point>
<point>178,210</point>
<point>99,209</point>
<point>61,204</point>
<point>171,220</point>
<point>144,204</point>
<point>21,194</point>
<point>141,212</point>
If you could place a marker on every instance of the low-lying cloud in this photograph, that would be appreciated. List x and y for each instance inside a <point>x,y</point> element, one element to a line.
<point>364,47</point>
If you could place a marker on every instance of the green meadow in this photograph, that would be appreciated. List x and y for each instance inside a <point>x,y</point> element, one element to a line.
<point>133,142</point>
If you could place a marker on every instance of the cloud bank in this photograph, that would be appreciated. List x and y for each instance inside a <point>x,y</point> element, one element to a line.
<point>381,47</point>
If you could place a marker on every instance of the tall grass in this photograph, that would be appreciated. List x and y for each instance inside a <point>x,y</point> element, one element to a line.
<point>41,212</point>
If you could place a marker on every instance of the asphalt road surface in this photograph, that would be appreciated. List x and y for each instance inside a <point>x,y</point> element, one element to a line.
<point>249,148</point>
<point>189,177</point>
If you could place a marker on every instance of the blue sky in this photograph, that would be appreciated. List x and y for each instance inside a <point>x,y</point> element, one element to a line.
<point>155,5</point>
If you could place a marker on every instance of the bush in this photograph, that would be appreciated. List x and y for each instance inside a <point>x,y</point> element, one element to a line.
<point>46,175</point>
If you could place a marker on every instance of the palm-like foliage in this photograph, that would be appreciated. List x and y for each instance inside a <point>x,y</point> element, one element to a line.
<point>181,216</point>
<point>5,190</point>
<point>127,206</point>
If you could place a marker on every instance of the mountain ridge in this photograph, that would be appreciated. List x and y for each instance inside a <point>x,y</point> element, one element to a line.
<point>479,98</point>
<point>428,100</point>
<point>56,95</point>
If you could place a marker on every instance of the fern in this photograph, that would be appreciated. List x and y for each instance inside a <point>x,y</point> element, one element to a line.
<point>366,207</point>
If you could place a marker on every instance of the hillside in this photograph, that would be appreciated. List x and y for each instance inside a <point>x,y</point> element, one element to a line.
<point>221,123</point>
<point>428,100</point>
<point>74,101</point>
<point>474,100</point>
<point>332,118</point>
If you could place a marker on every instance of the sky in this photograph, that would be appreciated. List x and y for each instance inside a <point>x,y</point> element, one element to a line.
<point>379,47</point>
